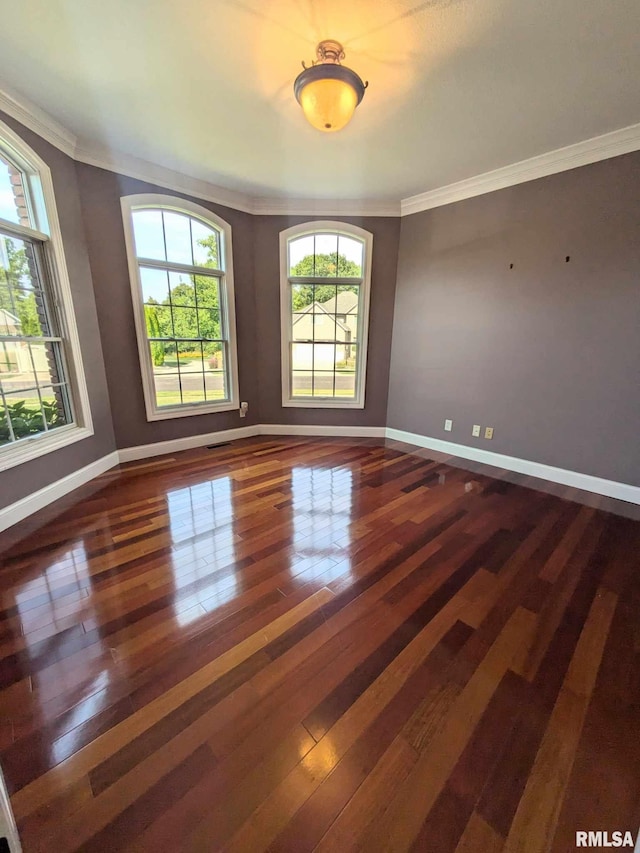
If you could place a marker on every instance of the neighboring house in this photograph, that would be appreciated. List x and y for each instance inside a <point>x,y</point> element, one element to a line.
<point>315,329</point>
<point>345,307</point>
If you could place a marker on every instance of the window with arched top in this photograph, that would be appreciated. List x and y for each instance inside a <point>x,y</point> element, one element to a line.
<point>182,287</point>
<point>325,282</point>
<point>44,403</point>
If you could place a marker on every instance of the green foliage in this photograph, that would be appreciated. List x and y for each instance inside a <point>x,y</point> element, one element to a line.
<point>153,329</point>
<point>325,265</point>
<point>18,302</point>
<point>27,420</point>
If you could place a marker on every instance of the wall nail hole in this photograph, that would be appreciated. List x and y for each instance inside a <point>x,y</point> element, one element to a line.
<point>510,266</point>
<point>567,259</point>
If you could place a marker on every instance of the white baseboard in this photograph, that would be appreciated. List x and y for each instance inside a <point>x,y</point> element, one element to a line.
<point>587,482</point>
<point>25,507</point>
<point>159,448</point>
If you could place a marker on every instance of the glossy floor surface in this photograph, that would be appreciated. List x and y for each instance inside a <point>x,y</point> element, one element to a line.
<point>299,644</point>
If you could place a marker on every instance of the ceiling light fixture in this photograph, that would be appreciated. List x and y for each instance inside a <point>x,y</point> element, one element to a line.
<point>327,91</point>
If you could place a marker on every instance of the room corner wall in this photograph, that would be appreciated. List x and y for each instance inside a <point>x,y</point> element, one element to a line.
<point>494,326</point>
<point>17,483</point>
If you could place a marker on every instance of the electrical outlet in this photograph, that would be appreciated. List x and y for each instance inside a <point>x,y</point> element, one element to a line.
<point>448,425</point>
<point>476,430</point>
<point>244,408</point>
<point>488,433</point>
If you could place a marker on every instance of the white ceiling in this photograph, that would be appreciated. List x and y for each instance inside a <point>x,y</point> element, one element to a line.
<point>204,87</point>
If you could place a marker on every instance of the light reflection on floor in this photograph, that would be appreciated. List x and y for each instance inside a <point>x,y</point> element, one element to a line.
<point>322,507</point>
<point>201,522</point>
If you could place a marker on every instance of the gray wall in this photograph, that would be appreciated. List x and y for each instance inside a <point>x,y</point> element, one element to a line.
<point>548,353</point>
<point>386,232</point>
<point>18,482</point>
<point>101,192</point>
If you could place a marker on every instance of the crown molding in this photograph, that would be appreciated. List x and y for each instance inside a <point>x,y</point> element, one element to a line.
<point>143,170</point>
<point>152,173</point>
<point>37,120</point>
<point>598,148</point>
<point>324,207</point>
<point>622,141</point>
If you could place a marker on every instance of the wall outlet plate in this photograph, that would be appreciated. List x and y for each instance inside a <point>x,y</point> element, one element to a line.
<point>448,425</point>
<point>475,430</point>
<point>488,433</point>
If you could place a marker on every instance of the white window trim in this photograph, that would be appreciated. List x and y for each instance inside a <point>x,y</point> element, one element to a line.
<point>319,227</point>
<point>169,202</point>
<point>43,198</point>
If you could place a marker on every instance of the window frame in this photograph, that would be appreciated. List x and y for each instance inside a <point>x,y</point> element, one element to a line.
<point>159,201</point>
<point>324,226</point>
<point>41,201</point>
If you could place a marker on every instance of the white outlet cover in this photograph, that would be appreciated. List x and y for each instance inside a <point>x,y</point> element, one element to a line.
<point>476,430</point>
<point>448,425</point>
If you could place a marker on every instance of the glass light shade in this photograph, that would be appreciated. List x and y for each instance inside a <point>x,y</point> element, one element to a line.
<point>328,104</point>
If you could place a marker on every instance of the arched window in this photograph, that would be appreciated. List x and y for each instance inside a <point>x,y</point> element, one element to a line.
<point>325,276</point>
<point>43,396</point>
<point>182,285</point>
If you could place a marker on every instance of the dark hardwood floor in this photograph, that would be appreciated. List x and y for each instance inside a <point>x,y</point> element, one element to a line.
<point>299,644</point>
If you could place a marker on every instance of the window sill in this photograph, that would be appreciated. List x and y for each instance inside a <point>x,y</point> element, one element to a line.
<point>322,404</point>
<point>27,449</point>
<point>187,411</point>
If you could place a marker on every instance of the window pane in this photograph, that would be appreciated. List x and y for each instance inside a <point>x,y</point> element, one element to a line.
<point>206,245</point>
<point>149,234</point>
<point>301,296</point>
<point>300,250</point>
<point>13,204</point>
<point>163,357</point>
<point>190,357</point>
<point>207,291</point>
<point>25,413</point>
<point>302,383</point>
<point>155,286</point>
<point>215,372</point>
<point>182,289</point>
<point>326,255</point>
<point>47,361</point>
<point>346,365</point>
<point>185,322</point>
<point>55,405</point>
<point>302,356</point>
<point>22,303</point>
<point>209,323</point>
<point>325,296</point>
<point>192,381</point>
<point>167,388</point>
<point>158,321</point>
<point>350,256</point>
<point>326,328</point>
<point>302,326</point>
<point>177,236</point>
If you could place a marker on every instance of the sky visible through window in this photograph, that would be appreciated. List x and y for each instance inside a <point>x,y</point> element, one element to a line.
<point>179,242</point>
<point>7,203</point>
<point>325,244</point>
